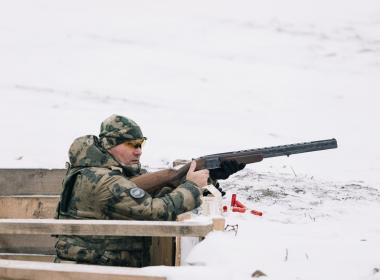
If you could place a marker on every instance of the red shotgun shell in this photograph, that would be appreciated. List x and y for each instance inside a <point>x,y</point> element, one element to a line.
<point>238,209</point>
<point>233,199</point>
<point>239,204</point>
<point>258,213</point>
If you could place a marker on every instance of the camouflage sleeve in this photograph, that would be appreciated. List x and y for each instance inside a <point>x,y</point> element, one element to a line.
<point>130,202</point>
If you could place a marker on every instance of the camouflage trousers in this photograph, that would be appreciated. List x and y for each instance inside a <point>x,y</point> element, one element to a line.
<point>81,254</point>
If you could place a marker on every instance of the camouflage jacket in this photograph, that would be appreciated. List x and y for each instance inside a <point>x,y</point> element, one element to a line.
<point>97,187</point>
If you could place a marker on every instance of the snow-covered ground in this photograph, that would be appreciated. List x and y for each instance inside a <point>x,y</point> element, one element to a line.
<point>210,76</point>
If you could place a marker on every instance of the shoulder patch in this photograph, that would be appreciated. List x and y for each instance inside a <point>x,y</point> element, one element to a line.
<point>137,192</point>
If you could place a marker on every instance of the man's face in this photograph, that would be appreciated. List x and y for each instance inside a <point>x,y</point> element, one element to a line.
<point>128,152</point>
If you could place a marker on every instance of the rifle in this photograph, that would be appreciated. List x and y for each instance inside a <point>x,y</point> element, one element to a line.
<point>171,177</point>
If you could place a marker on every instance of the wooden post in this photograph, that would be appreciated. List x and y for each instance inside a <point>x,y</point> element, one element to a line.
<point>218,223</point>
<point>178,240</point>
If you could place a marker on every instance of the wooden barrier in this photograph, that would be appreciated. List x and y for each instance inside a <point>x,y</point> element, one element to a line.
<point>27,194</point>
<point>28,206</point>
<point>28,270</point>
<point>31,181</point>
<point>104,227</point>
<point>27,244</point>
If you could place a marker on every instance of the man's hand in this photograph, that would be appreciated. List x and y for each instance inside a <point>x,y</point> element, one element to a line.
<point>197,177</point>
<point>226,169</point>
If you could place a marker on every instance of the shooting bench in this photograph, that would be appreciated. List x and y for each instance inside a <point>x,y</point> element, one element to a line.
<point>28,200</point>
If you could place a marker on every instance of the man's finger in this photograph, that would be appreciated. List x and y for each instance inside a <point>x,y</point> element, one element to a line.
<point>192,166</point>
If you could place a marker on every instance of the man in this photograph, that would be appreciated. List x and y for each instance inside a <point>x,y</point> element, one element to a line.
<point>97,186</point>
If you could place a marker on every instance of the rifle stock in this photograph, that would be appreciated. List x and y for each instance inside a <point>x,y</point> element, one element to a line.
<point>153,181</point>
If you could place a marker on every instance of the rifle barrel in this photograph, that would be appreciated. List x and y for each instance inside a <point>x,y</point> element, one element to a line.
<point>286,150</point>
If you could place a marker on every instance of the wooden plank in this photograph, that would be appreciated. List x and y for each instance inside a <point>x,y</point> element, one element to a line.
<point>104,227</point>
<point>28,206</point>
<point>28,257</point>
<point>30,244</point>
<point>31,181</point>
<point>178,251</point>
<point>28,270</point>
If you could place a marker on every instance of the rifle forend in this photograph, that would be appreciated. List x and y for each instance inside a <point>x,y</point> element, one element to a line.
<point>171,177</point>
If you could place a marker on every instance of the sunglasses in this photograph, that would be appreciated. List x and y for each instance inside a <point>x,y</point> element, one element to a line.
<point>136,143</point>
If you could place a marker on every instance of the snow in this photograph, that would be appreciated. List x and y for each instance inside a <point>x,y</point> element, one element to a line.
<point>209,76</point>
<point>309,230</point>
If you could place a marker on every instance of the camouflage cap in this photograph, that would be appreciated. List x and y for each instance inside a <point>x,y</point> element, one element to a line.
<point>117,129</point>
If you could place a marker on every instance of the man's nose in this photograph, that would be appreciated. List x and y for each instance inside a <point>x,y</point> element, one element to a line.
<point>137,151</point>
